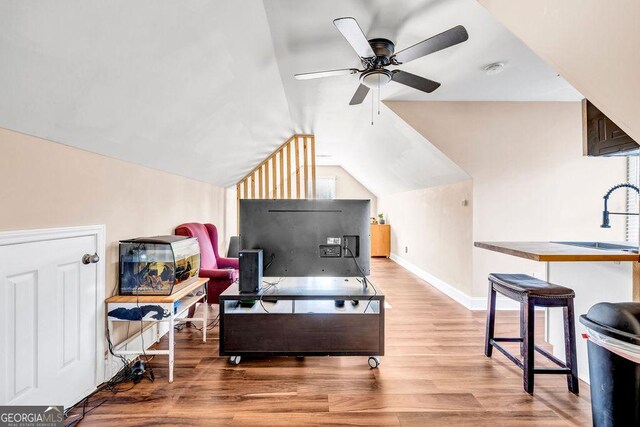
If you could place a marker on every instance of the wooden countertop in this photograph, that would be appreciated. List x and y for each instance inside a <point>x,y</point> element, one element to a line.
<point>548,251</point>
<point>179,291</point>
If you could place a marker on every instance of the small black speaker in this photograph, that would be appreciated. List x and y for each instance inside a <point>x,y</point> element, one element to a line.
<point>250,270</point>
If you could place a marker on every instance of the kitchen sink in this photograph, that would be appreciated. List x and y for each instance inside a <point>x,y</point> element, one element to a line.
<point>603,246</point>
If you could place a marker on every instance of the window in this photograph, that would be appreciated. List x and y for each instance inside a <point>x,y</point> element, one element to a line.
<point>632,200</point>
<point>326,187</point>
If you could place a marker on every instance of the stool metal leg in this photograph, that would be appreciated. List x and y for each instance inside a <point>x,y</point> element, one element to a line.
<point>570,346</point>
<point>491,321</point>
<point>529,346</point>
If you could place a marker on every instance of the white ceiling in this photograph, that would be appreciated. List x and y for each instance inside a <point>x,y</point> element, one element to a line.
<point>388,156</point>
<point>190,87</point>
<point>205,89</point>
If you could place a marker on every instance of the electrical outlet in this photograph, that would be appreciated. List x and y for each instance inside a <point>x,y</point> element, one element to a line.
<point>406,249</point>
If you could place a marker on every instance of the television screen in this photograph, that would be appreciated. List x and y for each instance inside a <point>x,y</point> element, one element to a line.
<point>308,238</point>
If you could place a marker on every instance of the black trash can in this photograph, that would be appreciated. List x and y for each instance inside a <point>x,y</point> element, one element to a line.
<point>614,363</point>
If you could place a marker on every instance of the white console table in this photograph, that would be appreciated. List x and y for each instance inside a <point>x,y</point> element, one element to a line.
<point>158,308</point>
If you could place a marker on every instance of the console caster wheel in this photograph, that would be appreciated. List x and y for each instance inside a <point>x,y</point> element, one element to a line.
<point>234,360</point>
<point>374,361</point>
<point>299,358</point>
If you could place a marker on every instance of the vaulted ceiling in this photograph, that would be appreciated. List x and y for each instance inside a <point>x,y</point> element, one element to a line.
<point>205,88</point>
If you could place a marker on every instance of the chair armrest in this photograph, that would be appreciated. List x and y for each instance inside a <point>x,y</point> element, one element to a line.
<point>227,263</point>
<point>217,274</point>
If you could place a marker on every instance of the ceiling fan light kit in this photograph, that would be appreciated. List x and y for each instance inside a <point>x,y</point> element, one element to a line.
<point>379,53</point>
<point>375,78</point>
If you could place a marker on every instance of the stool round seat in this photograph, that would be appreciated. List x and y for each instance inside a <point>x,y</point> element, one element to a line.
<point>528,287</point>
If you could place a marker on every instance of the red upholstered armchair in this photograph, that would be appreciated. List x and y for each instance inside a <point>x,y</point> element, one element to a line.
<point>222,272</point>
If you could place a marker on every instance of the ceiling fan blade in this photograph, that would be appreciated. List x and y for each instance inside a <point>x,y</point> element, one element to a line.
<point>360,95</point>
<point>353,33</point>
<point>328,73</point>
<point>446,39</point>
<point>416,82</point>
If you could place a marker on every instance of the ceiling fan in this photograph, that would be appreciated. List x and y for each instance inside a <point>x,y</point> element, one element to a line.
<point>376,54</point>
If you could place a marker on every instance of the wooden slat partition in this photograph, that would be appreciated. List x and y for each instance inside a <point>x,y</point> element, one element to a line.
<point>297,170</point>
<point>289,166</point>
<point>274,189</point>
<point>306,166</point>
<point>272,178</point>
<point>313,168</point>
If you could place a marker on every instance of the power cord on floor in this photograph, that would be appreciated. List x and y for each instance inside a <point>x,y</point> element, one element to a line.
<point>152,377</point>
<point>124,375</point>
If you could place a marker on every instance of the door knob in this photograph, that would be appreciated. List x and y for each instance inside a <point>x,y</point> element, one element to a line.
<point>90,259</point>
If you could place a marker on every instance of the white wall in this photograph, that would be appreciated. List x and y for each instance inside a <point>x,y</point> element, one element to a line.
<point>435,228</point>
<point>530,180</point>
<point>347,187</point>
<point>230,215</point>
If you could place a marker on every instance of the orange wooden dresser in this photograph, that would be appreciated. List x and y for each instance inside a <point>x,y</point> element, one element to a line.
<point>380,240</point>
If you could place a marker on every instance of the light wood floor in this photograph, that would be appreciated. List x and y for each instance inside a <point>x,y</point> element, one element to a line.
<point>434,373</point>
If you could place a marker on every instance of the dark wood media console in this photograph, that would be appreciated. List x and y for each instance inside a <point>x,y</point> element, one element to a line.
<point>299,317</point>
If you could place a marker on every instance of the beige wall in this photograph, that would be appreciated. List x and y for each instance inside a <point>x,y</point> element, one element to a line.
<point>593,44</point>
<point>347,187</point>
<point>44,184</point>
<point>435,227</point>
<point>230,214</point>
<point>530,180</point>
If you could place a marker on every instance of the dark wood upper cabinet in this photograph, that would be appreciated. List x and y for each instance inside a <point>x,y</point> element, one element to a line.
<point>602,137</point>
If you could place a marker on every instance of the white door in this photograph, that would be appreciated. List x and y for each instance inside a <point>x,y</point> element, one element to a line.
<point>48,321</point>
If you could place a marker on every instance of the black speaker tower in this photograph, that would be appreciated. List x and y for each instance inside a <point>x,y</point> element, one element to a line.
<point>250,270</point>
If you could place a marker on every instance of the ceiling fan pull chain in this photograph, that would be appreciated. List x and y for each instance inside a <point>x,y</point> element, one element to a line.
<point>372,107</point>
<point>378,94</point>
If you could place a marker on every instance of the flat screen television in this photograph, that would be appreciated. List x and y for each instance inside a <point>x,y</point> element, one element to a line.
<point>308,238</point>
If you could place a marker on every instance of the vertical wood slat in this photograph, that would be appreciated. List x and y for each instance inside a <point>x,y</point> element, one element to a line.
<point>274,194</point>
<point>282,174</point>
<point>266,180</point>
<point>313,167</point>
<point>306,169</point>
<point>260,180</point>
<point>297,168</point>
<point>253,186</point>
<point>289,168</point>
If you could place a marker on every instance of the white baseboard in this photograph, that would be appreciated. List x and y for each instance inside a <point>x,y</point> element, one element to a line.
<point>471,303</point>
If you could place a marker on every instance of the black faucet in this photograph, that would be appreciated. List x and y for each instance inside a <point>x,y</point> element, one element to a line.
<point>606,213</point>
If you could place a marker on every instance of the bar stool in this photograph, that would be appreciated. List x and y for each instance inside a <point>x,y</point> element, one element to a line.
<point>531,293</point>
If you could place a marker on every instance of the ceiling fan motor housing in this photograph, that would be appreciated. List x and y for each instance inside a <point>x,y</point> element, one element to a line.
<point>383,49</point>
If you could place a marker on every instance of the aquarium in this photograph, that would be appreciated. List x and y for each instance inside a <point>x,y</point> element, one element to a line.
<point>153,265</point>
